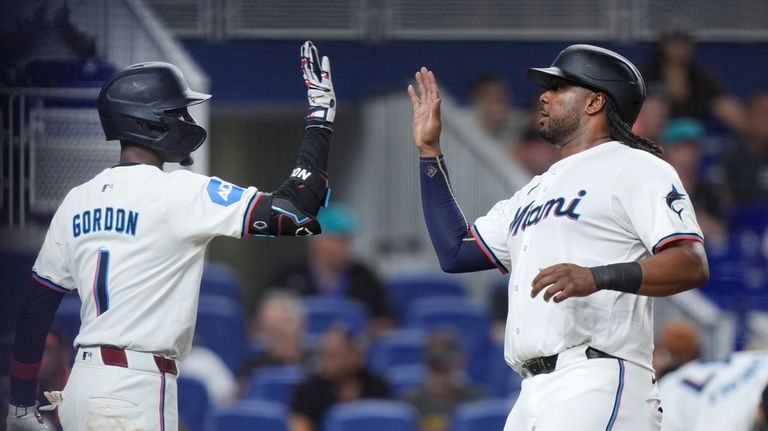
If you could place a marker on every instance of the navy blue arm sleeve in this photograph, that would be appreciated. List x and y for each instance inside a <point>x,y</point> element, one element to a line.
<point>456,248</point>
<point>32,325</point>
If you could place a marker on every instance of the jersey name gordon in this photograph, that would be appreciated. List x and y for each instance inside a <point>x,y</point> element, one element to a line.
<point>530,215</point>
<point>105,220</point>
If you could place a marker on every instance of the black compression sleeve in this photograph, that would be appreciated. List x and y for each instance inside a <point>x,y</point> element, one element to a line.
<point>314,148</point>
<point>313,155</point>
<point>38,309</point>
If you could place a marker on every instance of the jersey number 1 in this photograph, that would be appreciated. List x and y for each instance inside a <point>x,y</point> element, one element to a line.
<point>100,282</point>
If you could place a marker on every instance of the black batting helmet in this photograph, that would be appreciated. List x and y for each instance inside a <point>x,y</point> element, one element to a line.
<point>146,104</point>
<point>600,70</point>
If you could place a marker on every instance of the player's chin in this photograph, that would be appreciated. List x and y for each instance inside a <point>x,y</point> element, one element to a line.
<point>543,127</point>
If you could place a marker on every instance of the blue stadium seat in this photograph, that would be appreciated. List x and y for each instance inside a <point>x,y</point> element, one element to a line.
<point>405,377</point>
<point>249,415</point>
<point>221,328</point>
<point>323,312</point>
<point>371,415</point>
<point>401,347</point>
<point>274,383</point>
<point>406,288</point>
<point>220,279</point>
<point>502,381</point>
<point>482,415</point>
<point>466,319</point>
<point>193,403</point>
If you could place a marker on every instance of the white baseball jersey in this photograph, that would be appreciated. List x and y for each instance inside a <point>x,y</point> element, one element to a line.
<point>132,242</point>
<point>605,205</point>
<point>718,395</point>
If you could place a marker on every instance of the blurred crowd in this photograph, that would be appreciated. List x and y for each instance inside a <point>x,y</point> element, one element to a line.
<point>329,330</point>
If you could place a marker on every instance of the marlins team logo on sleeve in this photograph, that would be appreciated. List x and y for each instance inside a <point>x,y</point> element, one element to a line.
<point>224,193</point>
<point>674,196</point>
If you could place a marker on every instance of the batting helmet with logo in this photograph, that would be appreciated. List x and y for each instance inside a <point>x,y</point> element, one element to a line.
<point>600,70</point>
<point>146,105</point>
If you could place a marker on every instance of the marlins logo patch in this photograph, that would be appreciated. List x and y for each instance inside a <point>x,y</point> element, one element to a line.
<point>672,197</point>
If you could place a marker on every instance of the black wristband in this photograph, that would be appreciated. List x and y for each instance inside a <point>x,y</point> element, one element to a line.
<point>623,277</point>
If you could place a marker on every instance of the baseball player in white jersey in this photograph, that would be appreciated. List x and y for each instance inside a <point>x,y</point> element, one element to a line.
<point>715,395</point>
<point>586,245</point>
<point>131,242</point>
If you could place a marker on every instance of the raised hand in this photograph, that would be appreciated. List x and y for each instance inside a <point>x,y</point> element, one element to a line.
<point>426,113</point>
<point>320,93</point>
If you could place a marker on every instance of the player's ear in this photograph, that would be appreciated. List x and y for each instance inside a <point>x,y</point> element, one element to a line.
<point>595,103</point>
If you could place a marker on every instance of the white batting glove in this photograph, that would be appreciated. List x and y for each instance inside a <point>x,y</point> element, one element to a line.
<point>55,399</point>
<point>24,419</point>
<point>317,77</point>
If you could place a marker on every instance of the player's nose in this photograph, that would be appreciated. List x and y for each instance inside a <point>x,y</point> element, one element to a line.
<point>544,97</point>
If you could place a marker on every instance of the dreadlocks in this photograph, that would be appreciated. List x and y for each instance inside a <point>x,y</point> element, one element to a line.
<point>621,131</point>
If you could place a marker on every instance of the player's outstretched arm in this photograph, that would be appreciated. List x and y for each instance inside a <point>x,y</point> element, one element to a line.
<point>456,249</point>
<point>291,209</point>
<point>677,268</point>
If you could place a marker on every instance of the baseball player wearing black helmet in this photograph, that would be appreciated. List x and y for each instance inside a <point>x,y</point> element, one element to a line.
<point>131,242</point>
<point>587,244</point>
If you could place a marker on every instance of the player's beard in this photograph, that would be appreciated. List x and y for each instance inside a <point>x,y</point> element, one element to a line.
<point>560,128</point>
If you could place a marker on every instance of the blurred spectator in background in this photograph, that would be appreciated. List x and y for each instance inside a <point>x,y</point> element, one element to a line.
<point>683,150</point>
<point>54,371</point>
<point>330,269</point>
<point>491,100</point>
<point>444,387</point>
<point>746,164</point>
<point>534,153</point>
<point>653,116</point>
<point>203,364</point>
<point>693,91</point>
<point>278,330</point>
<point>678,345</point>
<point>341,376</point>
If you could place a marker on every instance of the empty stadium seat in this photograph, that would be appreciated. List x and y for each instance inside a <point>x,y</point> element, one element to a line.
<point>274,383</point>
<point>402,347</point>
<point>193,403</point>
<point>220,279</point>
<point>249,415</point>
<point>406,288</point>
<point>501,381</point>
<point>482,415</point>
<point>221,328</point>
<point>323,312</point>
<point>371,415</point>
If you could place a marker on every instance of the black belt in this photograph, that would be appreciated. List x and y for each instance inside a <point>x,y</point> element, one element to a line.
<point>547,364</point>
